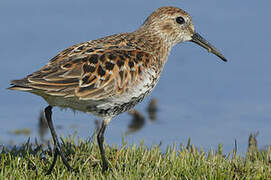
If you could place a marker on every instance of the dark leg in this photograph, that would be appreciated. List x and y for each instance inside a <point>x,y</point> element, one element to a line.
<point>53,163</point>
<point>100,139</point>
<point>57,147</point>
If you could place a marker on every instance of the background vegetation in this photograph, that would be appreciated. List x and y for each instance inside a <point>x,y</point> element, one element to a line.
<point>136,162</point>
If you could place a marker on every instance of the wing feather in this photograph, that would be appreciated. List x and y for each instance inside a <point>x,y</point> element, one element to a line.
<point>90,73</point>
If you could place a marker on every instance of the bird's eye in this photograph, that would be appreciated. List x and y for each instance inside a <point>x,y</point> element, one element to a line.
<point>180,20</point>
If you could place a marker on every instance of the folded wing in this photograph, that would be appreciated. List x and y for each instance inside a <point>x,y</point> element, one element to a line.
<point>88,73</point>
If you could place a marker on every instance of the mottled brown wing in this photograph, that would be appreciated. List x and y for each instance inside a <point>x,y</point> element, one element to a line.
<point>111,72</point>
<point>92,74</point>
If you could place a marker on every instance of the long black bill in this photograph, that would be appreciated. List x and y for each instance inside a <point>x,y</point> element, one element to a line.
<point>196,38</point>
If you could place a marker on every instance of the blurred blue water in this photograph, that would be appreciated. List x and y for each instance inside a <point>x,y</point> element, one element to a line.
<point>199,96</point>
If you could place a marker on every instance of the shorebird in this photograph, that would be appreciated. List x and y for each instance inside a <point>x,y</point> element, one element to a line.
<point>112,74</point>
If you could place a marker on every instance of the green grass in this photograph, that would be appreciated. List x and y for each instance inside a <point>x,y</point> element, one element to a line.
<point>135,162</point>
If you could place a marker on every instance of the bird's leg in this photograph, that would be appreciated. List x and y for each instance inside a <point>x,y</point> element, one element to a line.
<point>57,147</point>
<point>53,163</point>
<point>100,139</point>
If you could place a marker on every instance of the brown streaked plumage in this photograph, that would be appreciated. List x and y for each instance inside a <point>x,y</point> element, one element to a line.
<point>111,75</point>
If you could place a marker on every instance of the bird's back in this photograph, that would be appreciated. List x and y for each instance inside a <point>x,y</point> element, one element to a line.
<point>106,76</point>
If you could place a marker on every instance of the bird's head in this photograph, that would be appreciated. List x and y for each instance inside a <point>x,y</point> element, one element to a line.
<point>174,25</point>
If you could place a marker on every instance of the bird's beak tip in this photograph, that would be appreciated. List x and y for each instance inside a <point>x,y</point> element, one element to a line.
<point>196,38</point>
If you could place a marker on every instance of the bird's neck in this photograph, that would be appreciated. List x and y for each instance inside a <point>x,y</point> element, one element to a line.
<point>153,43</point>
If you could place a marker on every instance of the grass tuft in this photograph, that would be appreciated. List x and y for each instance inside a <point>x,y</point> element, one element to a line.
<point>31,161</point>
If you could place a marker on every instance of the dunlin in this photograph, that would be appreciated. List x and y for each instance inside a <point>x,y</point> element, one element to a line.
<point>111,75</point>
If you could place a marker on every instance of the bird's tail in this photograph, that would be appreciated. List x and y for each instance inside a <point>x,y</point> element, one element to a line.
<point>20,85</point>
